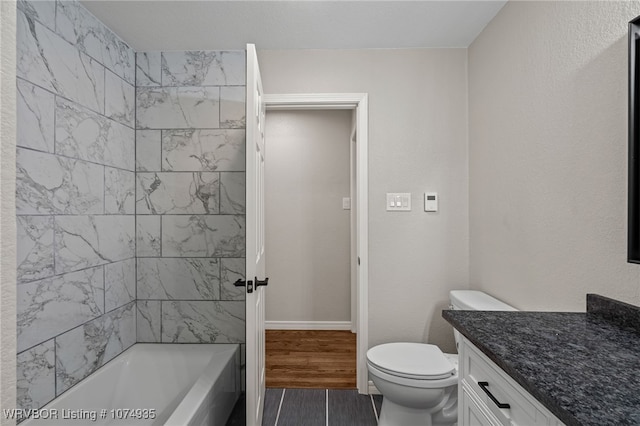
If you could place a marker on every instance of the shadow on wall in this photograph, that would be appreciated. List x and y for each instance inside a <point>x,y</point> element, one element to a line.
<point>440,329</point>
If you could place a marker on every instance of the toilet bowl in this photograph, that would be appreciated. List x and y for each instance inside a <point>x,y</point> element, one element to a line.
<point>418,382</point>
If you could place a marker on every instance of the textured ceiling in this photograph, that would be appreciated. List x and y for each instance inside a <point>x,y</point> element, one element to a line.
<point>192,25</point>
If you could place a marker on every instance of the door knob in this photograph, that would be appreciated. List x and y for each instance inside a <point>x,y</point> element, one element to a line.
<point>259,283</point>
<point>242,283</point>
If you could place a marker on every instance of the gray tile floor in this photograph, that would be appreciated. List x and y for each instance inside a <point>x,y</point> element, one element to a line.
<point>320,407</point>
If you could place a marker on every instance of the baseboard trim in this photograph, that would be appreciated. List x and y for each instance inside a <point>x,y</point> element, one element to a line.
<point>307,325</point>
<point>373,390</point>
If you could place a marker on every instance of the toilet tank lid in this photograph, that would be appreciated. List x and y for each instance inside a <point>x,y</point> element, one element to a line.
<point>473,300</point>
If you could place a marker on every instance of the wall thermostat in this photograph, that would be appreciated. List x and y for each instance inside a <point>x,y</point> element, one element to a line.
<point>430,201</point>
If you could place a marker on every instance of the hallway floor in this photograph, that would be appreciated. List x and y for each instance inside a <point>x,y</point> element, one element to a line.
<point>312,359</point>
<point>311,380</point>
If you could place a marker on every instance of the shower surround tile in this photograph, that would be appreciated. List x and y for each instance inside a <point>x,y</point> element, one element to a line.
<point>203,236</point>
<point>148,69</point>
<point>34,247</point>
<point>119,284</point>
<point>190,183</point>
<point>120,100</point>
<point>177,107</point>
<point>81,133</point>
<point>81,351</point>
<point>75,183</point>
<point>148,236</point>
<point>232,193</point>
<point>35,113</point>
<point>203,150</point>
<point>177,193</point>
<point>179,279</point>
<point>148,150</point>
<point>47,60</point>
<point>49,184</point>
<point>231,270</point>
<point>40,10</point>
<point>203,322</point>
<point>84,241</point>
<point>203,68</point>
<point>35,376</point>
<point>232,107</point>
<point>148,321</point>
<point>54,305</point>
<point>80,28</point>
<point>119,191</point>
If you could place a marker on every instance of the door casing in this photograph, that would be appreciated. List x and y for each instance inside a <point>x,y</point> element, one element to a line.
<point>359,103</point>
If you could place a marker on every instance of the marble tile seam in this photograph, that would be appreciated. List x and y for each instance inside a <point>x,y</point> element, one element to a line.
<point>77,270</point>
<point>75,327</point>
<point>74,102</point>
<point>26,148</point>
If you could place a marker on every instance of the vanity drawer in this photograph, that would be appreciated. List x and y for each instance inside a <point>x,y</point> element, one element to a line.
<point>492,387</point>
<point>473,412</point>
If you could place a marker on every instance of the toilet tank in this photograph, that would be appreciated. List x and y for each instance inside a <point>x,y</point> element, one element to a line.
<point>473,300</point>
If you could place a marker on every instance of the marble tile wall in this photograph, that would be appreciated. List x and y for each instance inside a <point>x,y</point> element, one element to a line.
<point>130,197</point>
<point>75,197</point>
<point>190,196</point>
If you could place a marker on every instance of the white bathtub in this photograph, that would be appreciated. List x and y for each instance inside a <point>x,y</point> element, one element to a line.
<point>178,384</point>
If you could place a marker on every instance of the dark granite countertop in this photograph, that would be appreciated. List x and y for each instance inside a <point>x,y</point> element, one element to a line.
<point>584,367</point>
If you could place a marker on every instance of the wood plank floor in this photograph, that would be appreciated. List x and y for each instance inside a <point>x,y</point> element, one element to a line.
<point>312,359</point>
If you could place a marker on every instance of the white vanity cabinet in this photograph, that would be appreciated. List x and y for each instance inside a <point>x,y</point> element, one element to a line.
<point>488,396</point>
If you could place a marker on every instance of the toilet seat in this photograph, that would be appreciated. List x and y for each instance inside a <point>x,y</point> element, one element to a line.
<point>417,361</point>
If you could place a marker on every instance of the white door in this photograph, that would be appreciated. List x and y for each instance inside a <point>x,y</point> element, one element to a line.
<point>255,278</point>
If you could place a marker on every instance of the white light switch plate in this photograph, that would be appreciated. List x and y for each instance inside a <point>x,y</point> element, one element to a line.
<point>398,201</point>
<point>346,203</point>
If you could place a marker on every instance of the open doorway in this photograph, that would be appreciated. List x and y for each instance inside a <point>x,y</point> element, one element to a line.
<point>308,192</point>
<point>349,319</point>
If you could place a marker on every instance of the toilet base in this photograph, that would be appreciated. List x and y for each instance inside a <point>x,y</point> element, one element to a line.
<point>392,414</point>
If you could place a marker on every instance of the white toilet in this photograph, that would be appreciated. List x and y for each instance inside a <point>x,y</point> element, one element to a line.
<point>418,382</point>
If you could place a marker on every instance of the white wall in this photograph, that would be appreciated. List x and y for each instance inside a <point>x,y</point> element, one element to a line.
<point>417,143</point>
<point>548,154</point>
<point>7,208</point>
<point>307,174</point>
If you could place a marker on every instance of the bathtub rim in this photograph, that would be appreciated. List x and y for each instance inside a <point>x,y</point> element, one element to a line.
<point>195,397</point>
<point>123,358</point>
